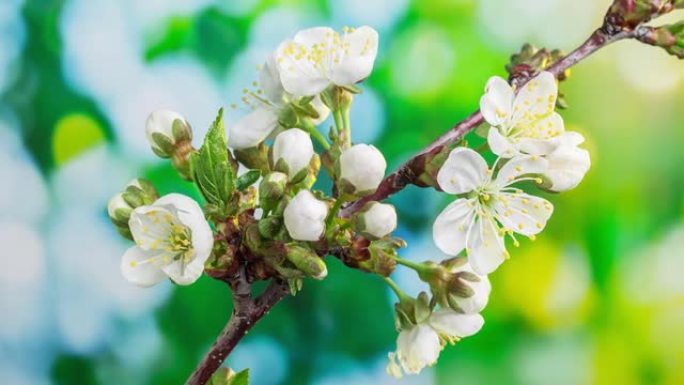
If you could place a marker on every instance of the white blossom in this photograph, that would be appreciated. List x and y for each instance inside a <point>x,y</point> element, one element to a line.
<point>489,209</point>
<point>525,123</point>
<point>263,120</point>
<point>295,149</point>
<point>172,239</point>
<point>363,166</point>
<point>305,217</point>
<point>568,163</point>
<point>419,346</point>
<point>379,219</point>
<point>318,57</point>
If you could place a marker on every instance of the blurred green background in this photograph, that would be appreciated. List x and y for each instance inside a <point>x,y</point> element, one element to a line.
<point>598,299</point>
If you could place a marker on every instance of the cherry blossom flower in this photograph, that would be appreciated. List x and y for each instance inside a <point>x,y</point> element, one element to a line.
<point>489,208</point>
<point>172,239</point>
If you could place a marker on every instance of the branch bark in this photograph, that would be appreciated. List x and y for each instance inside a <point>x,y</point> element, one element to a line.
<point>408,172</point>
<point>246,313</point>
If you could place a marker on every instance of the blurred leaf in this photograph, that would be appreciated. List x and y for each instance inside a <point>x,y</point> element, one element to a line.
<point>74,134</point>
<point>225,376</point>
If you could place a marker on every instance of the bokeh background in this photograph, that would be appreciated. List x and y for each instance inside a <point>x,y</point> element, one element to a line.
<point>598,299</point>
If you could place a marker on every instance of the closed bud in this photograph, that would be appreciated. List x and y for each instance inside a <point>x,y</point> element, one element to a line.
<point>165,131</point>
<point>668,37</point>
<point>376,220</point>
<point>138,192</point>
<point>305,217</point>
<point>272,186</point>
<point>381,256</point>
<point>306,260</point>
<point>292,153</point>
<point>455,284</point>
<point>270,227</point>
<point>628,14</point>
<point>360,170</point>
<point>254,158</point>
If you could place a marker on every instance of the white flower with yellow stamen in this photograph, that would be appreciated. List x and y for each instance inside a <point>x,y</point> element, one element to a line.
<point>172,239</point>
<point>318,57</point>
<point>419,346</point>
<point>526,123</point>
<point>489,208</point>
<point>267,104</point>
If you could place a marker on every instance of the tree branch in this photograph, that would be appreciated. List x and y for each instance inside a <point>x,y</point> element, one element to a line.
<point>246,313</point>
<point>408,172</point>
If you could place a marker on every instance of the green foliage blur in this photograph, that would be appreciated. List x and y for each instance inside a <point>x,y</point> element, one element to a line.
<point>597,299</point>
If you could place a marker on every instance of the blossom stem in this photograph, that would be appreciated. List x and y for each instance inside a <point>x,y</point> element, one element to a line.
<point>313,131</point>
<point>333,212</point>
<point>400,293</point>
<point>408,172</point>
<point>412,265</point>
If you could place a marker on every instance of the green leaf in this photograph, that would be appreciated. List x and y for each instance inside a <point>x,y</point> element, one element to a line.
<point>225,376</point>
<point>211,168</point>
<point>247,179</point>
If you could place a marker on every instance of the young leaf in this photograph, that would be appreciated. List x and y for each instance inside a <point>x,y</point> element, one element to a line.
<point>241,378</point>
<point>225,376</point>
<point>211,167</point>
<point>247,179</point>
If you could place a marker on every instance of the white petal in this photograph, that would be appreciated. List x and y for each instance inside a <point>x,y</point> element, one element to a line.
<point>269,81</point>
<point>138,269</point>
<point>380,219</point>
<point>161,122</point>
<point>571,138</point>
<point>537,99</point>
<point>300,73</point>
<point>454,324</point>
<point>191,215</point>
<point>497,102</point>
<point>357,59</point>
<point>486,249</point>
<point>518,167</point>
<point>464,171</point>
<point>451,227</point>
<point>253,128</point>
<point>417,348</point>
<point>321,108</point>
<point>501,145</point>
<point>567,166</point>
<point>188,275</point>
<point>151,226</point>
<point>524,214</point>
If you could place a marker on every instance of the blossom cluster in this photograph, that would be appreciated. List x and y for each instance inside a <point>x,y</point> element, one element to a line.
<point>271,221</point>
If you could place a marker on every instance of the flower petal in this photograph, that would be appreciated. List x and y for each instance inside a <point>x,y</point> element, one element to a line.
<point>568,164</point>
<point>523,213</point>
<point>454,324</point>
<point>151,226</point>
<point>497,102</point>
<point>139,268</point>
<point>518,167</point>
<point>417,348</point>
<point>464,171</point>
<point>536,100</point>
<point>191,215</point>
<point>451,226</point>
<point>481,290</point>
<point>357,58</point>
<point>501,145</point>
<point>302,71</point>
<point>253,128</point>
<point>269,81</point>
<point>486,249</point>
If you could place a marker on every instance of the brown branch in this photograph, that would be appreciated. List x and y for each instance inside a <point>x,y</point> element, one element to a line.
<point>246,313</point>
<point>408,172</point>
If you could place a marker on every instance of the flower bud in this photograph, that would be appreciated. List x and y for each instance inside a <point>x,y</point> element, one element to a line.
<point>272,186</point>
<point>567,165</point>
<point>305,217</point>
<point>361,169</point>
<point>165,131</point>
<point>456,285</point>
<point>292,152</point>
<point>138,192</point>
<point>375,220</point>
<point>307,261</point>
